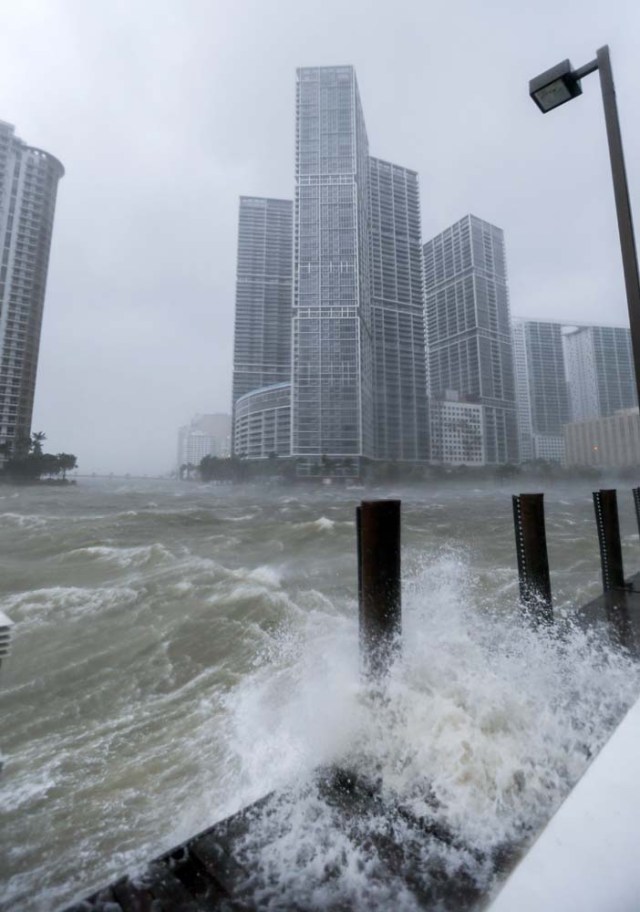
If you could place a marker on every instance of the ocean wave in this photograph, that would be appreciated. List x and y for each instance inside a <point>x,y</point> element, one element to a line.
<point>23,521</point>
<point>41,606</point>
<point>322,524</point>
<point>136,557</point>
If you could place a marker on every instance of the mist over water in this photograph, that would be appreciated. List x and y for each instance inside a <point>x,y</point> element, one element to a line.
<point>181,650</point>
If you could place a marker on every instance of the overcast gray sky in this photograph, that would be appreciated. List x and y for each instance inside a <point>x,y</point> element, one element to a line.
<point>163,113</point>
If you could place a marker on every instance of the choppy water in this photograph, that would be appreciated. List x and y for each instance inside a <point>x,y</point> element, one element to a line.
<point>179,650</point>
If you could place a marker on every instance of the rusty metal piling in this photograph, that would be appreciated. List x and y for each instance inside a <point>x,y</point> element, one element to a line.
<point>605,503</point>
<point>533,559</point>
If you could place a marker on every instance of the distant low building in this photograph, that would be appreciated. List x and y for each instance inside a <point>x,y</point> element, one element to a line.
<point>611,442</point>
<point>206,435</point>
<point>457,432</point>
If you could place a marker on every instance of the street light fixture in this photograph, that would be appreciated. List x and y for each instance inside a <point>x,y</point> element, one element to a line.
<point>553,88</point>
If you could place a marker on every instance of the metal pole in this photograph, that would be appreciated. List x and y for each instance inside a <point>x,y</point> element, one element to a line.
<point>605,503</point>
<point>533,559</point>
<point>380,603</point>
<point>623,206</point>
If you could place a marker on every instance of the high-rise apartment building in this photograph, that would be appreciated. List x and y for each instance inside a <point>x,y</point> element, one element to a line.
<point>469,330</point>
<point>332,401</point>
<point>28,186</point>
<point>397,314</point>
<point>206,435</point>
<point>262,343</point>
<point>541,388</point>
<point>600,371</point>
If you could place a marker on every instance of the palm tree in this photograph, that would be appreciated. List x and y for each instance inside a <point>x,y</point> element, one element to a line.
<point>37,439</point>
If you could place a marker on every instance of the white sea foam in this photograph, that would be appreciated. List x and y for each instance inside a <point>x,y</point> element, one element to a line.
<point>325,524</point>
<point>123,557</point>
<point>484,727</point>
<point>322,524</point>
<point>23,521</point>
<point>43,606</point>
<point>268,576</point>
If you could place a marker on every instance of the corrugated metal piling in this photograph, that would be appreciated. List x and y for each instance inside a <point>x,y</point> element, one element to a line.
<point>605,503</point>
<point>532,556</point>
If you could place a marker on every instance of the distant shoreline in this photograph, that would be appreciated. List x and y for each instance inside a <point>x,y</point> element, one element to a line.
<point>29,482</point>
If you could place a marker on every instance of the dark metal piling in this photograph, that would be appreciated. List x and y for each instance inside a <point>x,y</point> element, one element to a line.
<point>636,503</point>
<point>533,559</point>
<point>605,503</point>
<point>379,584</point>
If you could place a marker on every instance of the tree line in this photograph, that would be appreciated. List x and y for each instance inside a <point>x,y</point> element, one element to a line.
<point>240,469</point>
<point>24,459</point>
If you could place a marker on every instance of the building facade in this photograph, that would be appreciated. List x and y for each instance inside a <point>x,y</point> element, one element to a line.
<point>332,400</point>
<point>457,432</point>
<point>600,371</point>
<point>262,427</point>
<point>541,388</point>
<point>206,435</point>
<point>262,342</point>
<point>397,314</point>
<point>28,188</point>
<point>608,442</point>
<point>523,395</point>
<point>469,340</point>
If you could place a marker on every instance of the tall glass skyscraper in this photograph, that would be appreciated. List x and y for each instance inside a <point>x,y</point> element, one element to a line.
<point>397,319</point>
<point>28,187</point>
<point>262,343</point>
<point>469,328</point>
<point>600,371</point>
<point>542,392</point>
<point>332,401</point>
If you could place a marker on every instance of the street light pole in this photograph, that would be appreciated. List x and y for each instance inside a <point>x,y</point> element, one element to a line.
<point>623,205</point>
<point>559,85</point>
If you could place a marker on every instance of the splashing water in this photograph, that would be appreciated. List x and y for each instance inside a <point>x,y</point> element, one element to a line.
<point>482,729</point>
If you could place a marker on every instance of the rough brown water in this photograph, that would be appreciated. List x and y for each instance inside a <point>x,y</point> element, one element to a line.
<point>180,649</point>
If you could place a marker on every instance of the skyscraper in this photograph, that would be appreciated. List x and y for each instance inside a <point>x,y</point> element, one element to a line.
<point>600,371</point>
<point>205,435</point>
<point>397,318</point>
<point>355,387</point>
<point>28,186</point>
<point>332,401</point>
<point>541,385</point>
<point>468,328</point>
<point>262,343</point>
